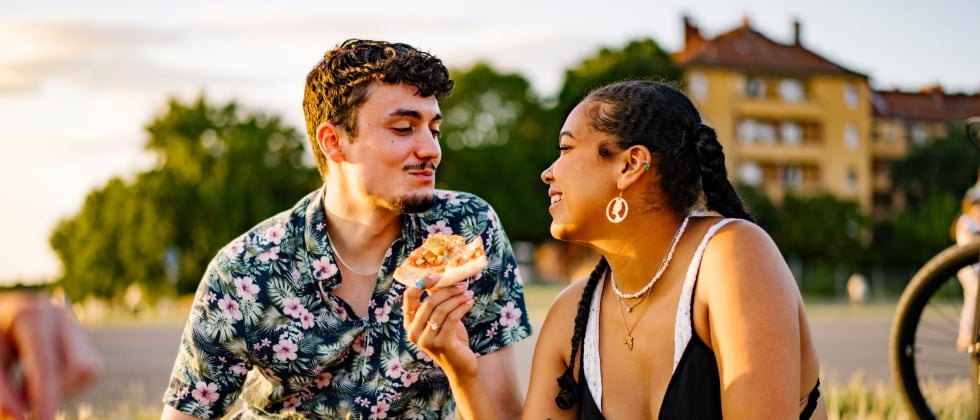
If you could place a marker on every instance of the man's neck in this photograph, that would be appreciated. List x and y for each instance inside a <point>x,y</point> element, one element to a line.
<point>356,226</point>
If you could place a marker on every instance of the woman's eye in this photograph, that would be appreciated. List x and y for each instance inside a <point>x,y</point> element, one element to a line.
<point>563,148</point>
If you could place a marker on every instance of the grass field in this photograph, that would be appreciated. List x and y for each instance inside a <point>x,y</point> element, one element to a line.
<point>856,399</point>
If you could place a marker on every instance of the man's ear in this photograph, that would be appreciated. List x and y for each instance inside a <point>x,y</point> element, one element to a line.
<point>328,137</point>
<point>636,161</point>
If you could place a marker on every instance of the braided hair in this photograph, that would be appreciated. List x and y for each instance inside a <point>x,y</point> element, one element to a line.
<point>686,155</point>
<point>568,388</point>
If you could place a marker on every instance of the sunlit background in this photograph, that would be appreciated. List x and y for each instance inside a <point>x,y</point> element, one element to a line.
<point>79,80</point>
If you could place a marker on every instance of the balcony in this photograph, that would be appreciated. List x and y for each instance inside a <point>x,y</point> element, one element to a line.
<point>810,151</point>
<point>777,108</point>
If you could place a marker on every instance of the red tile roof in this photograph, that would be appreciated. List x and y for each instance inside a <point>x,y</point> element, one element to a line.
<point>928,105</point>
<point>745,48</point>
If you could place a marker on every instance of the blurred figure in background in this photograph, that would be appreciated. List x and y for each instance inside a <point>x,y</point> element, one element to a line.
<point>45,357</point>
<point>965,230</point>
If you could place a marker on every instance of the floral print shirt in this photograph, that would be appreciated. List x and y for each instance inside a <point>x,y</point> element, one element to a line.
<point>265,327</point>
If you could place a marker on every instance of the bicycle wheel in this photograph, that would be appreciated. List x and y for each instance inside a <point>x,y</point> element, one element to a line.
<point>935,379</point>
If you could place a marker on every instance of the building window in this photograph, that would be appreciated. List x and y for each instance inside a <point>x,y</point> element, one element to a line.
<point>698,85</point>
<point>919,135</point>
<point>851,95</point>
<point>750,173</point>
<point>755,87</point>
<point>791,133</point>
<point>792,176</point>
<point>852,139</point>
<point>791,90</point>
<point>852,180</point>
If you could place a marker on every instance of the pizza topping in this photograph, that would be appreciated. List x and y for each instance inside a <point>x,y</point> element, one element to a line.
<point>449,255</point>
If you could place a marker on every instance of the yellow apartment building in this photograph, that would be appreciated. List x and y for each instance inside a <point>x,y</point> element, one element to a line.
<point>789,119</point>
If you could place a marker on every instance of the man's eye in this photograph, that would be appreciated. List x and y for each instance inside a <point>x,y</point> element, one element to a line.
<point>404,130</point>
<point>436,133</point>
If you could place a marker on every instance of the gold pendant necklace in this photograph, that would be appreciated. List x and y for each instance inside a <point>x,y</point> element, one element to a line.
<point>628,338</point>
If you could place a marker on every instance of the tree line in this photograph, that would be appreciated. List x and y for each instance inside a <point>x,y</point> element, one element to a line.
<point>221,168</point>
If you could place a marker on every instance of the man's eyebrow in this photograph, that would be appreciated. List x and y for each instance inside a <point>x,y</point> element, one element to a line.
<point>411,113</point>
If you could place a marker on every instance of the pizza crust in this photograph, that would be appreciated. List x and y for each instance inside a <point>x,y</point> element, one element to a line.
<point>457,274</point>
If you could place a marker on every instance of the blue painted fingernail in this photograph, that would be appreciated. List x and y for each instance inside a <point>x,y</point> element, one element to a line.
<point>420,284</point>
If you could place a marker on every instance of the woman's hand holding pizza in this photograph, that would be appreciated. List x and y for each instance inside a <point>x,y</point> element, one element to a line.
<point>435,324</point>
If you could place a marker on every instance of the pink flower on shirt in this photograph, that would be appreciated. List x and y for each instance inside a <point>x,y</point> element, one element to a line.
<point>275,234</point>
<point>323,380</point>
<point>509,315</point>
<point>229,308</point>
<point>306,319</point>
<point>439,227</point>
<point>380,411</point>
<point>206,393</point>
<point>394,369</point>
<point>235,248</point>
<point>245,288</point>
<point>271,254</point>
<point>409,378</point>
<point>323,268</point>
<point>381,314</point>
<point>285,350</point>
<point>292,307</point>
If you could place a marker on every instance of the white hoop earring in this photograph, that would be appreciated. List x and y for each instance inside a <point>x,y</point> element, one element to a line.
<point>617,209</point>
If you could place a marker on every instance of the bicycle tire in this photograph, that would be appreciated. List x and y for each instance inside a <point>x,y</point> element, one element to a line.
<point>938,272</point>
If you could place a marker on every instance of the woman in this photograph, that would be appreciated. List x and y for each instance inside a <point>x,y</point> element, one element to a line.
<point>687,314</point>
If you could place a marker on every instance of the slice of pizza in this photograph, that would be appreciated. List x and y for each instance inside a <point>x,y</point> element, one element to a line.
<point>448,255</point>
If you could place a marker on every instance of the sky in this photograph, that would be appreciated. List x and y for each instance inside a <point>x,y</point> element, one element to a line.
<point>80,80</point>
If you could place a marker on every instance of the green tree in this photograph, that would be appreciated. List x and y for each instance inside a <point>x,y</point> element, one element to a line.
<point>639,59</point>
<point>219,170</point>
<point>933,178</point>
<point>940,166</point>
<point>822,228</point>
<point>494,146</point>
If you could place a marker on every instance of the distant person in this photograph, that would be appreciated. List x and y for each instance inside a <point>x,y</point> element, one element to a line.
<point>300,318</point>
<point>965,230</point>
<point>45,357</point>
<point>689,314</point>
<point>857,289</point>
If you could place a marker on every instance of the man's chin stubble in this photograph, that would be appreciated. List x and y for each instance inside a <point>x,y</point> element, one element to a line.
<point>414,203</point>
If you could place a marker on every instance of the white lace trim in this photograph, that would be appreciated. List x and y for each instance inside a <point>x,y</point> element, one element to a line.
<point>682,323</point>
<point>590,348</point>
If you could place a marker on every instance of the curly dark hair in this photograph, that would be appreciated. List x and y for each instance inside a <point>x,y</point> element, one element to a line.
<point>686,155</point>
<point>337,86</point>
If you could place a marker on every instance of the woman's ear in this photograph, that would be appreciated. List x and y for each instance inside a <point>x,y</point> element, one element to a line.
<point>636,161</point>
<point>328,139</point>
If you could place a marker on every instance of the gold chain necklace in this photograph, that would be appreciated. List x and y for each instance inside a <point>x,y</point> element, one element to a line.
<point>628,338</point>
<point>340,259</point>
<point>629,308</point>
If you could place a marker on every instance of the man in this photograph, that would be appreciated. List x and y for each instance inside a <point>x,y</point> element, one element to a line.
<point>300,315</point>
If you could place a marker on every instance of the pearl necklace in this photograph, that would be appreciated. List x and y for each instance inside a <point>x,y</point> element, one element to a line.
<point>663,265</point>
<point>336,253</point>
